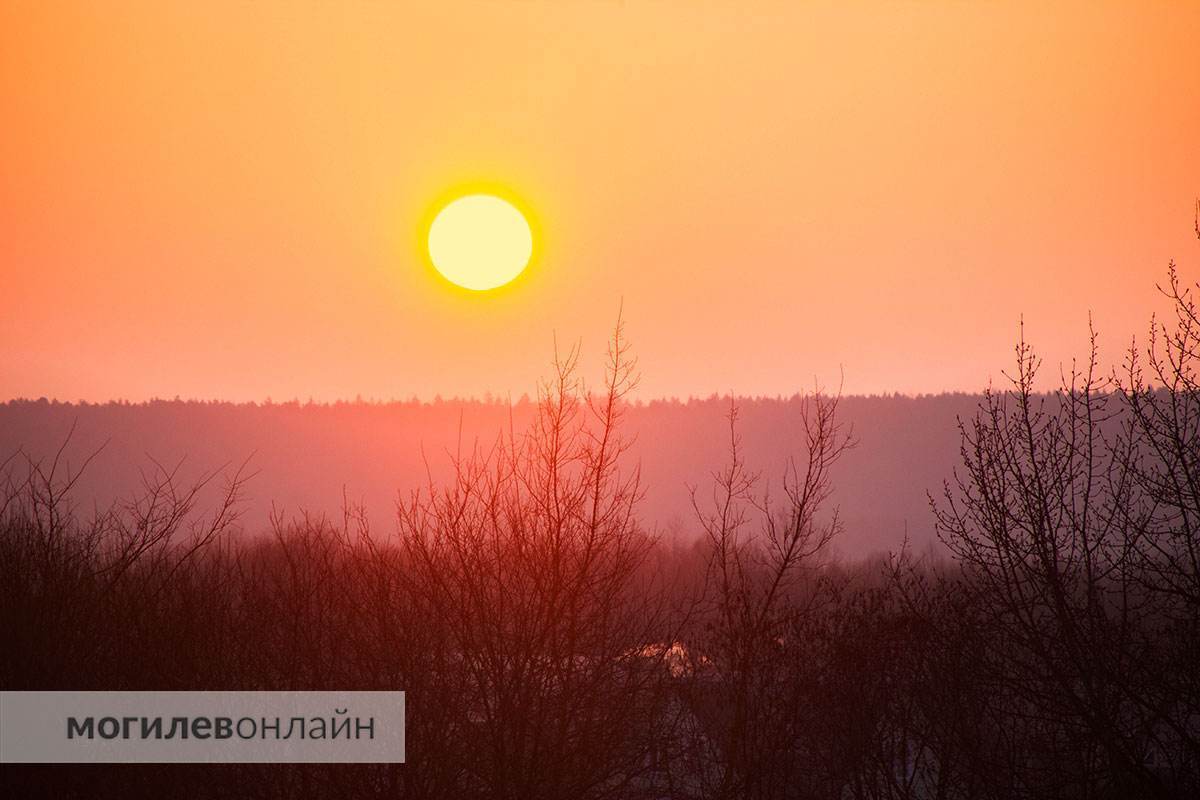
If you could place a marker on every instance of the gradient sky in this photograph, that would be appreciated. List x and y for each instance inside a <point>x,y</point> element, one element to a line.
<point>222,200</point>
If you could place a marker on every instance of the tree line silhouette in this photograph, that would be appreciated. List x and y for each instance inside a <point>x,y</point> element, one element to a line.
<point>305,453</point>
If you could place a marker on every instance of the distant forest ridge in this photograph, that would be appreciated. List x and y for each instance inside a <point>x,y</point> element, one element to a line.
<point>312,456</point>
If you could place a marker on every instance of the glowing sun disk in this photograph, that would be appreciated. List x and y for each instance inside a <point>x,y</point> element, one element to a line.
<point>480,242</point>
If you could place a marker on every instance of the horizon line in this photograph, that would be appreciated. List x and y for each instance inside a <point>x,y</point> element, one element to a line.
<point>487,399</point>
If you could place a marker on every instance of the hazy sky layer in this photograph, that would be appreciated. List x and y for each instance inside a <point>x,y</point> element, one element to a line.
<point>222,200</point>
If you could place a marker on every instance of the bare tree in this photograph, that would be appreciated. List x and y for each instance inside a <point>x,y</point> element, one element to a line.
<point>1075,523</point>
<point>65,573</point>
<point>528,561</point>
<point>743,729</point>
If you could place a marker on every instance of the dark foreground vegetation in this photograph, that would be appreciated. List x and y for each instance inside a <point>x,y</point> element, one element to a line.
<point>552,648</point>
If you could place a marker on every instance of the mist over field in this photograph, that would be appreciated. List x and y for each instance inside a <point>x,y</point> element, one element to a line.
<point>302,455</point>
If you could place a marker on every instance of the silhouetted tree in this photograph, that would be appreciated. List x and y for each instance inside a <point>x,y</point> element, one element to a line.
<point>746,740</point>
<point>1074,522</point>
<point>528,560</point>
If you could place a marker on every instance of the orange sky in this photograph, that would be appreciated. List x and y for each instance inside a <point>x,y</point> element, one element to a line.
<point>221,200</point>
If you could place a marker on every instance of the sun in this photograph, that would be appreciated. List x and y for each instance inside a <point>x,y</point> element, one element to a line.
<point>480,242</point>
